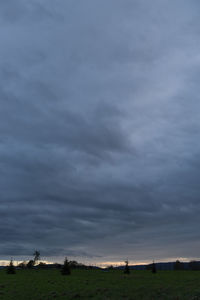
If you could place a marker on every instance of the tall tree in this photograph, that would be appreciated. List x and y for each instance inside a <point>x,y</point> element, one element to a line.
<point>33,261</point>
<point>36,255</point>
<point>11,268</point>
<point>154,267</point>
<point>66,268</point>
<point>126,269</point>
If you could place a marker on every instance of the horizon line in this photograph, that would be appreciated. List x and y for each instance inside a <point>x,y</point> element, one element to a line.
<point>104,264</point>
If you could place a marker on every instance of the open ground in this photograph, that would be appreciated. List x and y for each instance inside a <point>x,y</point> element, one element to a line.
<point>99,284</point>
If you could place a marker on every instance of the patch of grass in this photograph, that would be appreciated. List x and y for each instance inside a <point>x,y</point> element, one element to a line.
<point>96,284</point>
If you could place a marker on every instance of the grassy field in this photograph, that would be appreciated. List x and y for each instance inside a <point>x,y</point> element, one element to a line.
<point>97,284</point>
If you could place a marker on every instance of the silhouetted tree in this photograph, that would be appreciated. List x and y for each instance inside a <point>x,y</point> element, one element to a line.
<point>73,264</point>
<point>36,255</point>
<point>154,267</point>
<point>22,265</point>
<point>30,264</point>
<point>126,269</point>
<point>178,265</point>
<point>66,268</point>
<point>33,261</point>
<point>11,268</point>
<point>42,265</point>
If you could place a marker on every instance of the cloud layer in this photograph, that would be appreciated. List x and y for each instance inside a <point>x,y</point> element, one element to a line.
<point>99,129</point>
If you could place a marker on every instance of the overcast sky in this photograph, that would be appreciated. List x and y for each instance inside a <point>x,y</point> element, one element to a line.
<point>100,129</point>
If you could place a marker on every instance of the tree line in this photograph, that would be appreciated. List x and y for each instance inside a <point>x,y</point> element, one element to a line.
<point>65,269</point>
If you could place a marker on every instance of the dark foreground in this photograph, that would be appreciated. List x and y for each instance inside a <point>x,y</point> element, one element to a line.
<point>97,284</point>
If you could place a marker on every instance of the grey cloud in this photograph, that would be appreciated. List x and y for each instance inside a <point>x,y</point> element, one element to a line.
<point>99,128</point>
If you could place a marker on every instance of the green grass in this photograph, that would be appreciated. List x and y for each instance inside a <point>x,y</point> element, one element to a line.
<point>97,284</point>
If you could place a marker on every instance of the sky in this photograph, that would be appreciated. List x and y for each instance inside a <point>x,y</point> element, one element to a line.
<point>100,130</point>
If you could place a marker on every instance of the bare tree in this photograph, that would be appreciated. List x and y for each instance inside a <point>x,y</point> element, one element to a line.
<point>33,261</point>
<point>36,255</point>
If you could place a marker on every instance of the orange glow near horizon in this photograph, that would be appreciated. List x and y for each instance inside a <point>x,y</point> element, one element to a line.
<point>16,262</point>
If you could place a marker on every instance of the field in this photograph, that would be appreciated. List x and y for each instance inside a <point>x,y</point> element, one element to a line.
<point>97,284</point>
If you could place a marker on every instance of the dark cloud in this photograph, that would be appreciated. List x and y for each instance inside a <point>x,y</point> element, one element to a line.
<point>99,129</point>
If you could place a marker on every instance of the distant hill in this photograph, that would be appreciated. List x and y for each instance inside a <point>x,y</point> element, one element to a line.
<point>165,266</point>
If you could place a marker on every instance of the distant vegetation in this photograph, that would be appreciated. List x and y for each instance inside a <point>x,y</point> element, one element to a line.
<point>69,265</point>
